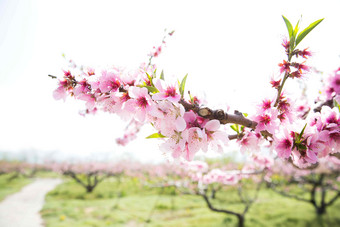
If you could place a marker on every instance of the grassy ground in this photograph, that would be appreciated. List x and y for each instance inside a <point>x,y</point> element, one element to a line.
<point>131,204</point>
<point>10,184</point>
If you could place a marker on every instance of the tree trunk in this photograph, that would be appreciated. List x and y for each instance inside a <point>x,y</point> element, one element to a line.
<point>320,210</point>
<point>89,189</point>
<point>213,194</point>
<point>240,220</point>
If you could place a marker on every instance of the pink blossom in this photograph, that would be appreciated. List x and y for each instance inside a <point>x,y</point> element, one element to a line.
<point>89,99</point>
<point>197,166</point>
<point>62,89</point>
<point>316,145</point>
<point>286,44</point>
<point>109,81</point>
<point>82,87</point>
<point>335,82</point>
<point>156,51</point>
<point>141,104</point>
<point>250,142</point>
<point>262,162</point>
<point>215,138</point>
<point>172,119</point>
<point>284,67</point>
<point>275,83</point>
<point>222,177</point>
<point>266,104</point>
<point>284,145</point>
<point>170,93</point>
<point>305,53</point>
<point>194,143</point>
<point>300,67</point>
<point>177,144</point>
<point>266,120</point>
<point>60,93</point>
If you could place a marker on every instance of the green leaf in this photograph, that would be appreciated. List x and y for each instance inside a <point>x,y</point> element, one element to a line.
<point>155,135</point>
<point>300,135</point>
<point>162,75</point>
<point>296,29</point>
<point>150,78</point>
<point>235,128</point>
<point>152,89</point>
<point>191,98</point>
<point>245,114</point>
<point>289,27</point>
<point>307,30</point>
<point>182,85</point>
<point>301,147</point>
<point>292,43</point>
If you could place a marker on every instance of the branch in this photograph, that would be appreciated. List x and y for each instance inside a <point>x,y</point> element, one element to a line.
<point>283,193</point>
<point>220,115</point>
<point>326,103</point>
<point>74,176</point>
<point>330,202</point>
<point>215,209</point>
<point>53,77</point>
<point>251,201</point>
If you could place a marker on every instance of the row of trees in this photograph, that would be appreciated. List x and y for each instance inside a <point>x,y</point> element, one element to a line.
<point>319,186</point>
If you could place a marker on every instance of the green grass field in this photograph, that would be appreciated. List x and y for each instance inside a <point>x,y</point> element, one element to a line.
<point>131,204</point>
<point>10,184</point>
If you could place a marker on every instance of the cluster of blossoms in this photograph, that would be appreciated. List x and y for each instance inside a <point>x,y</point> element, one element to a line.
<point>143,96</point>
<point>203,174</point>
<point>130,132</point>
<point>282,123</point>
<point>305,141</point>
<point>332,88</point>
<point>86,168</point>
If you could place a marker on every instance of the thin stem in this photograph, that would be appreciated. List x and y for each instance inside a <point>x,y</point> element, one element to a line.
<point>279,91</point>
<point>286,76</point>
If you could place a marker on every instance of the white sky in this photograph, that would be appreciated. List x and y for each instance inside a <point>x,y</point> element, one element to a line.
<point>230,49</point>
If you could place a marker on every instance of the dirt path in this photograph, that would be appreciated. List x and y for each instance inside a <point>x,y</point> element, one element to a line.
<point>22,209</point>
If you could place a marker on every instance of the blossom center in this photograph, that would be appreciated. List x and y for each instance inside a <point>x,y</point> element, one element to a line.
<point>170,91</point>
<point>337,82</point>
<point>115,85</point>
<point>142,102</point>
<point>265,119</point>
<point>287,144</point>
<point>125,97</point>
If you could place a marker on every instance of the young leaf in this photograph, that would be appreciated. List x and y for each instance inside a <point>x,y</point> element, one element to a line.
<point>235,128</point>
<point>292,43</point>
<point>300,135</point>
<point>149,77</point>
<point>296,29</point>
<point>152,89</point>
<point>307,30</point>
<point>182,86</point>
<point>289,27</point>
<point>155,135</point>
<point>162,75</point>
